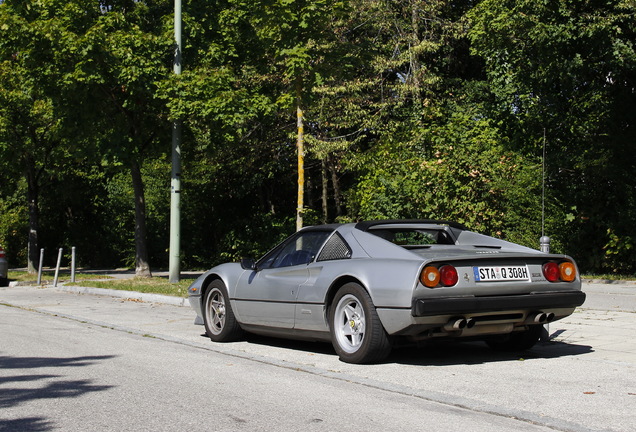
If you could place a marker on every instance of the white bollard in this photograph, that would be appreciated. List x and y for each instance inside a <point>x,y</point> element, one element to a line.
<point>57,267</point>
<point>40,266</point>
<point>73,264</point>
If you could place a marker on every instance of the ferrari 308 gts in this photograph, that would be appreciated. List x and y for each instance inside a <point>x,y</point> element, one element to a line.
<point>364,285</point>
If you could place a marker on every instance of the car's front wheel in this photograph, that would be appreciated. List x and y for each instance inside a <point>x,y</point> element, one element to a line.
<point>356,331</point>
<point>218,317</point>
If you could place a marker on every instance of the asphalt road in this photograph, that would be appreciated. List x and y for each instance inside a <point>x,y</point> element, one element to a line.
<point>73,361</point>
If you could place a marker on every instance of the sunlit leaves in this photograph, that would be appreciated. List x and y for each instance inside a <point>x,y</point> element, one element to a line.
<point>568,68</point>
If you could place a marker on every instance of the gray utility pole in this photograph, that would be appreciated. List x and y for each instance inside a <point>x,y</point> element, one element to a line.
<point>175,182</point>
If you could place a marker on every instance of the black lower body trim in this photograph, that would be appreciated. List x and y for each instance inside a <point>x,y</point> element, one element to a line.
<point>463,305</point>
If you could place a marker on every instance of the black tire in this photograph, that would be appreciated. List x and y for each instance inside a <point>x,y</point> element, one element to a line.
<point>516,341</point>
<point>356,331</point>
<point>218,317</point>
<point>4,282</point>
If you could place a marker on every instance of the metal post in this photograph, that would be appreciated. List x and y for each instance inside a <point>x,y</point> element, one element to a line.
<point>73,264</point>
<point>40,266</point>
<point>57,267</point>
<point>175,183</point>
<point>544,241</point>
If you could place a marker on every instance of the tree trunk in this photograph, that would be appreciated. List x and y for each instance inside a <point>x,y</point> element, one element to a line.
<point>415,42</point>
<point>142,267</point>
<point>325,190</point>
<point>336,185</point>
<point>34,217</point>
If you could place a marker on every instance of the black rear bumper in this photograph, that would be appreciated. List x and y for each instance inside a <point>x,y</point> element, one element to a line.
<point>468,304</point>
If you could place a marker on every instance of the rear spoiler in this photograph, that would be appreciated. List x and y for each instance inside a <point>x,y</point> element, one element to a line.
<point>366,225</point>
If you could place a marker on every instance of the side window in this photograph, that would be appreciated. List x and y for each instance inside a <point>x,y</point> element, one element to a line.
<point>268,260</point>
<point>300,249</point>
<point>335,249</point>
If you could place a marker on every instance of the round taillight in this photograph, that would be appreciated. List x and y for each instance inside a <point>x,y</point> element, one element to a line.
<point>448,275</point>
<point>551,271</point>
<point>430,277</point>
<point>567,271</point>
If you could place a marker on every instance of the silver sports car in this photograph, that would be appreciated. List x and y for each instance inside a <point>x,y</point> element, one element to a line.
<point>364,285</point>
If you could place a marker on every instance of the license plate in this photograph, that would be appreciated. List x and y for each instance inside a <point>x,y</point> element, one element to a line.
<point>505,273</point>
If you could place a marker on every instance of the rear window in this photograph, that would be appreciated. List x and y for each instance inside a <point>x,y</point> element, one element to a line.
<point>414,237</point>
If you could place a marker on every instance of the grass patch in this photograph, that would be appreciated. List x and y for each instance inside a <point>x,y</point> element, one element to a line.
<point>154,285</point>
<point>49,275</point>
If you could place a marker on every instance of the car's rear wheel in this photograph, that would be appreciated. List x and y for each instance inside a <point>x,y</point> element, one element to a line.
<point>356,331</point>
<point>218,317</point>
<point>516,341</point>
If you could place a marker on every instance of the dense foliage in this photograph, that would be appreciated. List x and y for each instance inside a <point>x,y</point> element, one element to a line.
<point>411,109</point>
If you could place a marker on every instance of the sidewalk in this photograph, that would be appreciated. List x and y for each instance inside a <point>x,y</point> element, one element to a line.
<point>117,274</point>
<point>610,296</point>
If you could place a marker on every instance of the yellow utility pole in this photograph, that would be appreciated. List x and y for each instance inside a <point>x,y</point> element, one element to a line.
<point>300,144</point>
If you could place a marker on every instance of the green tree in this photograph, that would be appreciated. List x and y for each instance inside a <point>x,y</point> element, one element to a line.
<point>301,53</point>
<point>569,68</point>
<point>236,157</point>
<point>121,60</point>
<point>418,116</point>
<point>32,98</point>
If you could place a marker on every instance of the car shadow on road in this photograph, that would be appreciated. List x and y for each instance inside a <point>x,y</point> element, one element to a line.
<point>451,352</point>
<point>317,347</point>
<point>436,352</point>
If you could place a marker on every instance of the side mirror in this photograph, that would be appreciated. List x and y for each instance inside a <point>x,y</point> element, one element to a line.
<point>248,264</point>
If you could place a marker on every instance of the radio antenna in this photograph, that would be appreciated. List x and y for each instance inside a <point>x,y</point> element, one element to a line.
<point>543,188</point>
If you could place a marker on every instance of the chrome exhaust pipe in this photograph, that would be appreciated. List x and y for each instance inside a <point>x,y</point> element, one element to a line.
<point>456,324</point>
<point>550,317</point>
<point>470,323</point>
<point>537,318</point>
